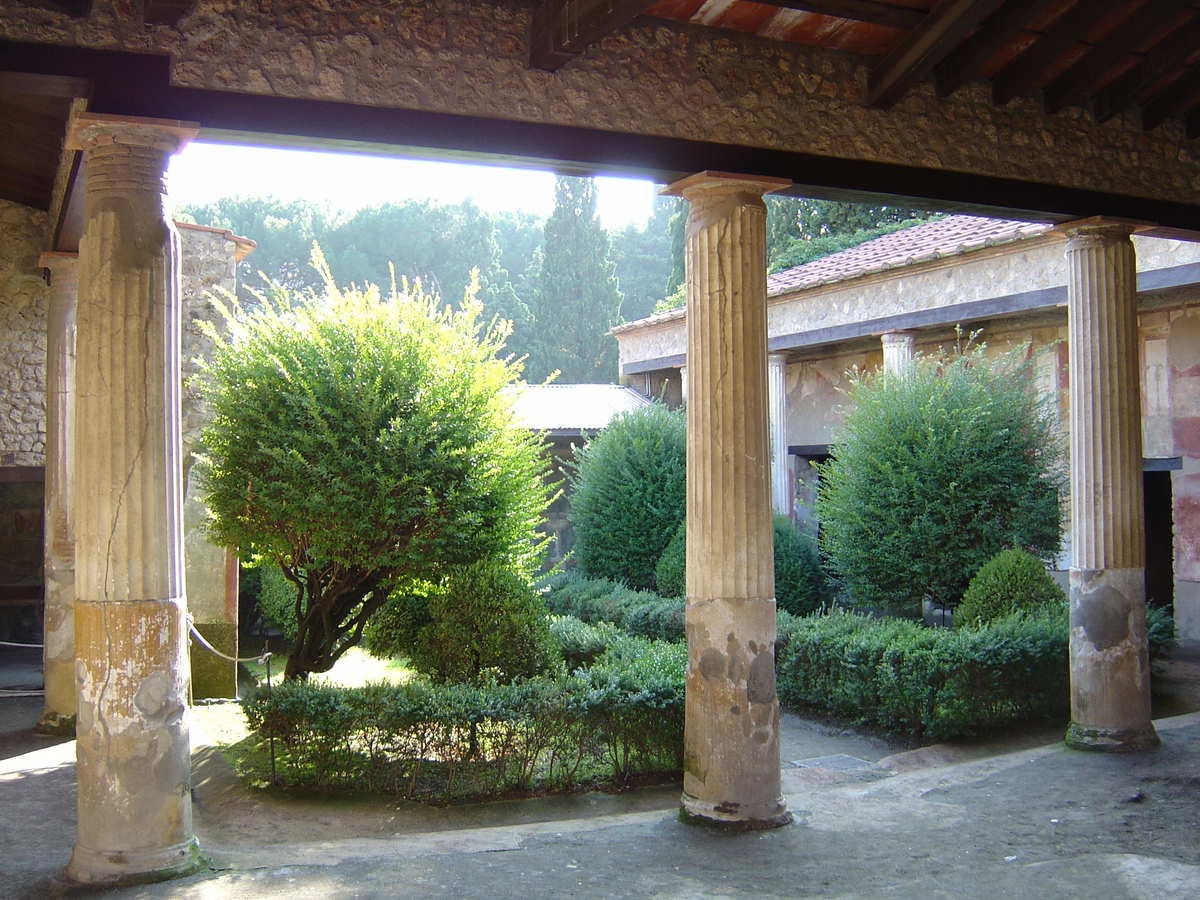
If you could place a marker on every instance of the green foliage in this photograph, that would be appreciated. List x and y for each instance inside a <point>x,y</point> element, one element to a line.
<point>581,643</point>
<point>594,600</point>
<point>670,575</point>
<point>1160,631</point>
<point>1010,580</point>
<point>629,494</point>
<point>276,599</point>
<point>801,586</point>
<point>577,299</point>
<point>933,682</point>
<point>934,472</point>
<point>482,619</point>
<point>443,742</point>
<point>365,445</point>
<point>642,257</point>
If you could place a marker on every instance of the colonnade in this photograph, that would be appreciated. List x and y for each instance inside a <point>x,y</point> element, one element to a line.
<point>125,534</point>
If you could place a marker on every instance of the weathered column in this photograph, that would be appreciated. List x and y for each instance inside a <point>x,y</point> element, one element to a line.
<point>731,754</point>
<point>781,496</point>
<point>133,763</point>
<point>1110,672</point>
<point>58,659</point>
<point>897,350</point>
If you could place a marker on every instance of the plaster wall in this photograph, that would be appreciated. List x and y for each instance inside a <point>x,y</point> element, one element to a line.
<point>652,77</point>
<point>23,300</point>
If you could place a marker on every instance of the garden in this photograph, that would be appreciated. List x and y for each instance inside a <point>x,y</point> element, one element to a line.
<point>364,459</point>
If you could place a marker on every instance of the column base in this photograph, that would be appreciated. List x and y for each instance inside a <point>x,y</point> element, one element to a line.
<point>55,724</point>
<point>115,867</point>
<point>1101,740</point>
<point>732,817</point>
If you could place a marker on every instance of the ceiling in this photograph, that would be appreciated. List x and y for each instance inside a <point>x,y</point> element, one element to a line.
<point>1110,57</point>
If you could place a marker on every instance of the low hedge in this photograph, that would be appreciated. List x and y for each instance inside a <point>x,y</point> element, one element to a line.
<point>593,600</point>
<point>440,743</point>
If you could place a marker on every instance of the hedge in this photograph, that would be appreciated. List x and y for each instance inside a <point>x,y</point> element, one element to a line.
<point>441,743</point>
<point>593,600</point>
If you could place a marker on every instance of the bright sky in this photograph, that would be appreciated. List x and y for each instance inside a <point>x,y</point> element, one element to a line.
<point>206,172</point>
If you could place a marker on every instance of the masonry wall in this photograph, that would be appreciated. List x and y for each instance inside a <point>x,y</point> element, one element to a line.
<point>652,77</point>
<point>23,298</point>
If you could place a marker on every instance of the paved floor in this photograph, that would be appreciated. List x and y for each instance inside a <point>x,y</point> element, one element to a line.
<point>1023,818</point>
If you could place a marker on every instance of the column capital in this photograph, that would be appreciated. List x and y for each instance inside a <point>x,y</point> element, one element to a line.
<point>1102,227</point>
<point>52,259</point>
<point>87,130</point>
<point>724,182</point>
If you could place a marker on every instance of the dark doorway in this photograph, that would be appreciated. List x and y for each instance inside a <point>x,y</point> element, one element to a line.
<point>1160,536</point>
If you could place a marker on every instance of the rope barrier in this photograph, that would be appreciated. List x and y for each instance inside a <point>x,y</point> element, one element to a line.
<point>21,693</point>
<point>211,649</point>
<point>11,644</point>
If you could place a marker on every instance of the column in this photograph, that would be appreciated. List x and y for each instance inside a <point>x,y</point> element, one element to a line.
<point>731,736</point>
<point>781,495</point>
<point>683,385</point>
<point>897,350</point>
<point>1110,673</point>
<point>58,661</point>
<point>133,760</point>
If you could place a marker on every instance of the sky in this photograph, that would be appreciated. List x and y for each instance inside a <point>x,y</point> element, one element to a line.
<point>204,172</point>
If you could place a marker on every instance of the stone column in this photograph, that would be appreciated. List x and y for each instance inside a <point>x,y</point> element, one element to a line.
<point>683,385</point>
<point>897,350</point>
<point>58,717</point>
<point>1110,673</point>
<point>731,770</point>
<point>133,759</point>
<point>781,496</point>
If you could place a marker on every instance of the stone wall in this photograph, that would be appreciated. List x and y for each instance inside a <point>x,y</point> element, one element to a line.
<point>652,77</point>
<point>23,298</point>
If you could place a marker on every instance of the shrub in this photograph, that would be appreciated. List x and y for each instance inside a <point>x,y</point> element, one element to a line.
<point>483,618</point>
<point>1010,580</point>
<point>935,471</point>
<point>932,682</point>
<point>1160,631</point>
<point>443,742</point>
<point>801,586</point>
<point>581,643</point>
<point>276,599</point>
<point>365,445</point>
<point>670,575</point>
<point>629,493</point>
<point>592,600</point>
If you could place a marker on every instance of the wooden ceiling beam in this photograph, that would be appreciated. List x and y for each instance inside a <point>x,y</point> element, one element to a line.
<point>1167,53</point>
<point>1141,25</point>
<point>1069,28</point>
<point>868,11</point>
<point>1000,28</point>
<point>76,9</point>
<point>563,29</point>
<point>1172,99</point>
<point>943,29</point>
<point>1191,125</point>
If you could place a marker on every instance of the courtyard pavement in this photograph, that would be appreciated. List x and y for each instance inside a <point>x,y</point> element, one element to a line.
<point>1018,817</point>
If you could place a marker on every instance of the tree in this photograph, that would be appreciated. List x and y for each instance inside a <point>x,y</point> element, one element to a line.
<point>642,257</point>
<point>577,299</point>
<point>935,471</point>
<point>364,445</point>
<point>629,494</point>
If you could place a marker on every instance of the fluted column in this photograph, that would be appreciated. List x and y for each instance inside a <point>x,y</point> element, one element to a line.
<point>1110,673</point>
<point>897,350</point>
<point>781,495</point>
<point>133,762</point>
<point>58,661</point>
<point>731,770</point>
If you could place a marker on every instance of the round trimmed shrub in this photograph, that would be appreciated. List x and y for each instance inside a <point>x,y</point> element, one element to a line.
<point>670,575</point>
<point>485,618</point>
<point>629,495</point>
<point>1009,581</point>
<point>801,586</point>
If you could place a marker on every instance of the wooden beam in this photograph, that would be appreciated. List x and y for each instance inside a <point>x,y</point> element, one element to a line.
<point>44,85</point>
<point>1141,25</point>
<point>1169,52</point>
<point>1191,125</point>
<point>946,25</point>
<point>562,29</point>
<point>76,9</point>
<point>869,11</point>
<point>1175,97</point>
<point>1067,29</point>
<point>1000,28</point>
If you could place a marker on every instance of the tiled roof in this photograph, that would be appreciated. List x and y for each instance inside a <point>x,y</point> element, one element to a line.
<point>574,407</point>
<point>940,238</point>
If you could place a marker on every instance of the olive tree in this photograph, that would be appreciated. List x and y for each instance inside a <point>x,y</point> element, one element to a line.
<point>935,471</point>
<point>365,443</point>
